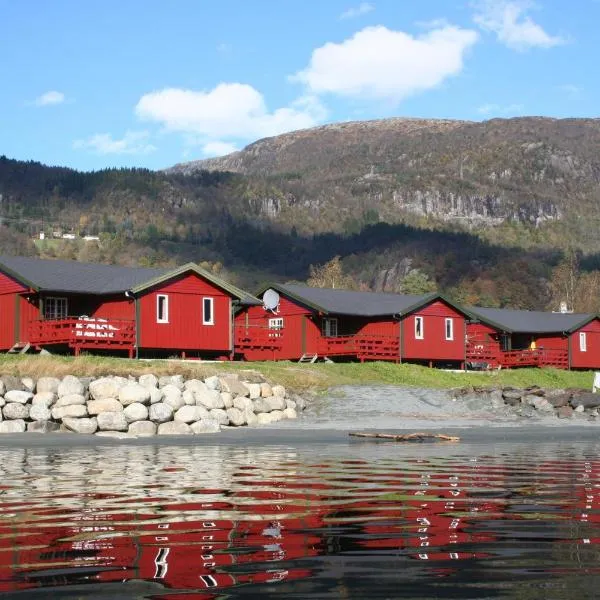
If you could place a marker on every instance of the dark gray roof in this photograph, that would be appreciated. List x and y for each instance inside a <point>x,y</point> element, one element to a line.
<point>530,321</point>
<point>345,302</point>
<point>76,277</point>
<point>87,278</point>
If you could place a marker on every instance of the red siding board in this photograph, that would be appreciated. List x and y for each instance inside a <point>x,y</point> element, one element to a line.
<point>8,285</point>
<point>590,358</point>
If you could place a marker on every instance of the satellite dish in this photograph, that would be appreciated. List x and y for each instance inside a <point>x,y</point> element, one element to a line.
<point>270,300</point>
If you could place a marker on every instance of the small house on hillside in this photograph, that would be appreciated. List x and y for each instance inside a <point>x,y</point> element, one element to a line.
<point>301,322</point>
<point>140,311</point>
<point>504,337</point>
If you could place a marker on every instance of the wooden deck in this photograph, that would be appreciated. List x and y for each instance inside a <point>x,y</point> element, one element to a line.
<point>84,333</point>
<point>490,355</point>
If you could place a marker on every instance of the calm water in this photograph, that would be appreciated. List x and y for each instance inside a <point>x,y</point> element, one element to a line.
<point>350,519</point>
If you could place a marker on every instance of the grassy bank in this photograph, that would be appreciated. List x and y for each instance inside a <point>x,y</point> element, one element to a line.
<point>295,376</point>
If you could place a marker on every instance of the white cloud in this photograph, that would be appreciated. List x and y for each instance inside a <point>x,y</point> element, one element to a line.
<point>497,109</point>
<point>377,62</point>
<point>212,149</point>
<point>133,142</point>
<point>574,91</point>
<point>48,98</point>
<point>228,111</point>
<point>513,27</point>
<point>357,11</point>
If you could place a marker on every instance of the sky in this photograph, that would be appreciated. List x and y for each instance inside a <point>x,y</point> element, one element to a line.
<point>150,83</point>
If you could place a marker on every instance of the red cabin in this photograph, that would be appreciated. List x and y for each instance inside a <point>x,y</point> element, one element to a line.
<point>298,322</point>
<point>77,306</point>
<point>499,337</point>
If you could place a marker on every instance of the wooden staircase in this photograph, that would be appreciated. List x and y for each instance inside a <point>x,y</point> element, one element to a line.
<point>308,358</point>
<point>19,348</point>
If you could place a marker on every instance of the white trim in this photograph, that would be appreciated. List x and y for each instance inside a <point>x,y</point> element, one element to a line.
<point>449,329</point>
<point>211,319</point>
<point>329,327</point>
<point>164,318</point>
<point>582,341</point>
<point>57,301</point>
<point>419,328</point>
<point>275,326</point>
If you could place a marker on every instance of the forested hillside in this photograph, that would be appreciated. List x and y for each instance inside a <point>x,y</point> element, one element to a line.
<point>498,213</point>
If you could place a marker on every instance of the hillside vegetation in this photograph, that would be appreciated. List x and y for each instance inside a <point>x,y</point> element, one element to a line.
<point>504,212</point>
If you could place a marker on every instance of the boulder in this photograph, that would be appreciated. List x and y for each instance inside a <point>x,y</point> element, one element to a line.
<point>559,400</point>
<point>142,428</point>
<point>12,383</point>
<point>174,401</point>
<point>190,414</point>
<point>277,415</point>
<point>274,402</point>
<point>18,396</point>
<point>16,426</point>
<point>73,410</point>
<point>219,415</point>
<point>44,399</point>
<point>160,412</point>
<point>585,399</point>
<point>266,390</point>
<point>174,428</point>
<point>194,385</point>
<point>205,426</point>
<point>496,399</point>
<point>243,403</point>
<point>512,397</point>
<point>40,412</point>
<point>541,404</point>
<point>210,399</point>
<point>112,421</point>
<point>2,402</point>
<point>227,398</point>
<point>564,412</point>
<point>96,407</point>
<point>251,418</point>
<point>28,384</point>
<point>156,395</point>
<point>118,435</point>
<point>135,411</point>
<point>300,402</point>
<point>70,385</point>
<point>213,383</point>
<point>134,392</point>
<point>260,405</point>
<point>580,408</point>
<point>289,403</point>
<point>106,387</point>
<point>278,390</point>
<point>290,413</point>
<point>236,417</point>
<point>188,397</point>
<point>264,418</point>
<point>175,380</point>
<point>69,399</point>
<point>47,384</point>
<point>148,381</point>
<point>85,425</point>
<point>43,426</point>
<point>232,385</point>
<point>2,388</point>
<point>14,410</point>
<point>253,390</point>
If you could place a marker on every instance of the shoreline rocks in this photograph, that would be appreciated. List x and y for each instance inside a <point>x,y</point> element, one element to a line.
<point>144,406</point>
<point>535,401</point>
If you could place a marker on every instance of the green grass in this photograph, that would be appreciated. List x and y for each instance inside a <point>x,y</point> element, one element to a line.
<point>295,376</point>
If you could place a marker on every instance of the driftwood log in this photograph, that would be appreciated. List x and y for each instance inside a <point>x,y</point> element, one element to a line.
<point>407,437</point>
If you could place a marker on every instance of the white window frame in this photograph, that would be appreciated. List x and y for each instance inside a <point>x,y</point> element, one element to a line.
<point>275,326</point>
<point>419,328</point>
<point>582,341</point>
<point>329,327</point>
<point>60,306</point>
<point>449,329</point>
<point>165,316</point>
<point>211,302</point>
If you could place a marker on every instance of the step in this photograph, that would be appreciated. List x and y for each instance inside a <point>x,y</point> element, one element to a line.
<point>19,348</point>
<point>308,358</point>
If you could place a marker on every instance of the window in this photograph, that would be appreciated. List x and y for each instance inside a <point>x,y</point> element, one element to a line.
<point>55,308</point>
<point>329,327</point>
<point>582,342</point>
<point>208,316</point>
<point>275,324</point>
<point>419,328</point>
<point>162,308</point>
<point>449,329</point>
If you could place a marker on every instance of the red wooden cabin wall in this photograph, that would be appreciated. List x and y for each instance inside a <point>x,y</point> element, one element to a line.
<point>9,290</point>
<point>590,359</point>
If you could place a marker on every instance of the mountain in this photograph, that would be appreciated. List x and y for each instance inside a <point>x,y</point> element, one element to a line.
<point>504,212</point>
<point>531,171</point>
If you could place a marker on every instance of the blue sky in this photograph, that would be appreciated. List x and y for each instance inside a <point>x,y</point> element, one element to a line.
<point>151,83</point>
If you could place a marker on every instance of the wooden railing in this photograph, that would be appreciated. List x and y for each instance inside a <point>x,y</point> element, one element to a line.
<point>83,332</point>
<point>362,346</point>
<point>257,337</point>
<point>484,353</point>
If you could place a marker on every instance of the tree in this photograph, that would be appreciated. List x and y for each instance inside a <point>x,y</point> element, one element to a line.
<point>417,282</point>
<point>330,275</point>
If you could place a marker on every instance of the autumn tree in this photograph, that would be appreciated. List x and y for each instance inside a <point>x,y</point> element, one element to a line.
<point>330,275</point>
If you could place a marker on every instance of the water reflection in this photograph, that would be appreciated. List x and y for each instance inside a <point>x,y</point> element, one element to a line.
<point>353,520</point>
